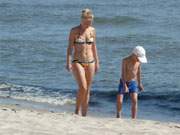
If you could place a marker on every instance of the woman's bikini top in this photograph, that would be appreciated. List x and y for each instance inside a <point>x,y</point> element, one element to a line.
<point>80,41</point>
<point>87,41</point>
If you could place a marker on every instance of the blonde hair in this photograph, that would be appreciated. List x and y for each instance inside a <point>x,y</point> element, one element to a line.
<point>87,13</point>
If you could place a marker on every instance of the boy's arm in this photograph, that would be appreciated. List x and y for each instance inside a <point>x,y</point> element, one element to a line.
<point>122,70</point>
<point>139,79</point>
<point>123,75</point>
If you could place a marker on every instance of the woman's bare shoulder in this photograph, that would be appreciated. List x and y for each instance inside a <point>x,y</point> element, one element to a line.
<point>75,29</point>
<point>92,28</point>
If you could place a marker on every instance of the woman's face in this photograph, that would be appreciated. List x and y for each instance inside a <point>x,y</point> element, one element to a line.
<point>87,21</point>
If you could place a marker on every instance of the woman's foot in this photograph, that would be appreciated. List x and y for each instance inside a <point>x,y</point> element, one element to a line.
<point>76,112</point>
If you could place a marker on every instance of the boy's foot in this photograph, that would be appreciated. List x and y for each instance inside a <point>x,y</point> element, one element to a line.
<point>118,115</point>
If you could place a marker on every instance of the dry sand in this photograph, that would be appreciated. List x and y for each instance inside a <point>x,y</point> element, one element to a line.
<point>18,121</point>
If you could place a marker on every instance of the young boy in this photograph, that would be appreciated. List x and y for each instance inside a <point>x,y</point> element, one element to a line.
<point>130,80</point>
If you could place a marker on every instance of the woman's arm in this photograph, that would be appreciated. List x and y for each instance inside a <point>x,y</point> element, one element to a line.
<point>69,51</point>
<point>95,53</point>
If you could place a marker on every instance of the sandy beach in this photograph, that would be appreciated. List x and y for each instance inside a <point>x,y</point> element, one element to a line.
<point>18,121</point>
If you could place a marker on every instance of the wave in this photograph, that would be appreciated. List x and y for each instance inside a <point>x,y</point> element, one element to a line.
<point>36,94</point>
<point>117,20</point>
<point>98,98</point>
<point>173,96</point>
<point>168,96</point>
<point>28,41</point>
<point>169,100</point>
<point>136,38</point>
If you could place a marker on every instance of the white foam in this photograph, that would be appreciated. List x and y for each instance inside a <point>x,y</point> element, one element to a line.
<point>36,94</point>
<point>46,99</point>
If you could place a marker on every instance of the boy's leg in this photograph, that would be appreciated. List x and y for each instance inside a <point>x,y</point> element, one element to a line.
<point>119,105</point>
<point>134,105</point>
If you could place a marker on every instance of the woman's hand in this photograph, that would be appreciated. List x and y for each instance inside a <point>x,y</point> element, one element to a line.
<point>97,67</point>
<point>69,67</point>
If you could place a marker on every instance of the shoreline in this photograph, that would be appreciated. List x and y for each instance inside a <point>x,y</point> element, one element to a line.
<point>17,120</point>
<point>93,112</point>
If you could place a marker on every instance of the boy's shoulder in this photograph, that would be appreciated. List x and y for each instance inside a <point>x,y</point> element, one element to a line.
<point>125,59</point>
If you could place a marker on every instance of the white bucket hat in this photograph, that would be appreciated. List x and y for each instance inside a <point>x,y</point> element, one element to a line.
<point>140,52</point>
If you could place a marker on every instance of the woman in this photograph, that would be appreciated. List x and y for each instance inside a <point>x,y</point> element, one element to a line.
<point>85,62</point>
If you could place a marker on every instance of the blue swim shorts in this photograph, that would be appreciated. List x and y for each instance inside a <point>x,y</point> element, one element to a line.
<point>132,86</point>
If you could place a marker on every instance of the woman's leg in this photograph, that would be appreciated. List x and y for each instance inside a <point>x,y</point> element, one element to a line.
<point>79,74</point>
<point>89,71</point>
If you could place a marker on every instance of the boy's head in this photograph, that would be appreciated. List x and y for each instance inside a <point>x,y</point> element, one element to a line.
<point>140,52</point>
